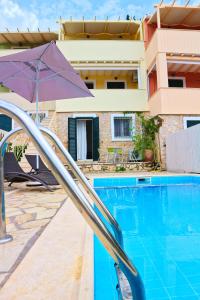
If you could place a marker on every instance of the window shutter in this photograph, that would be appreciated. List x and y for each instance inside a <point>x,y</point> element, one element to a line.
<point>72,142</point>
<point>5,123</point>
<point>95,138</point>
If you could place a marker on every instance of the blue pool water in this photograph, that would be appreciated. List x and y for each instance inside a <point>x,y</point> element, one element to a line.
<point>160,220</point>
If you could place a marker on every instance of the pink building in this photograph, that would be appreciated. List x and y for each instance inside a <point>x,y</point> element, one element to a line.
<point>172,42</point>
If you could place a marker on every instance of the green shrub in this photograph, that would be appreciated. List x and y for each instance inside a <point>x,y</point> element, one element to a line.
<point>120,169</point>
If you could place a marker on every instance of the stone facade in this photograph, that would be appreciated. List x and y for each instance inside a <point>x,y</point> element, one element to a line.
<point>116,168</point>
<point>105,134</point>
<point>58,122</point>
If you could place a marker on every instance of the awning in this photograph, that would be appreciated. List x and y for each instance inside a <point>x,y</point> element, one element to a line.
<point>27,38</point>
<point>183,67</point>
<point>96,73</point>
<point>96,28</point>
<point>170,15</point>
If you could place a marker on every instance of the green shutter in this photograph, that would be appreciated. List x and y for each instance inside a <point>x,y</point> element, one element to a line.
<point>95,138</point>
<point>72,143</point>
<point>5,123</point>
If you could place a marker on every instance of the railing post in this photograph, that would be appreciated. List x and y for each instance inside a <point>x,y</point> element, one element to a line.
<point>4,237</point>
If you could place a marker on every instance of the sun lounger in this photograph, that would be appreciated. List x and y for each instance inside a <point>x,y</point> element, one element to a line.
<point>14,173</point>
<point>42,167</point>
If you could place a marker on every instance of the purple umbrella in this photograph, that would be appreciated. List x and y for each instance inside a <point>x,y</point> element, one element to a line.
<point>41,73</point>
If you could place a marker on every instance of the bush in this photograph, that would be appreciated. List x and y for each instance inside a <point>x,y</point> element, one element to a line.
<point>146,139</point>
<point>120,169</point>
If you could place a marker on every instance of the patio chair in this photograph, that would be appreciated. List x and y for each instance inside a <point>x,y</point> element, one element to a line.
<point>31,158</point>
<point>32,162</point>
<point>134,156</point>
<point>111,154</point>
<point>119,155</point>
<point>14,173</point>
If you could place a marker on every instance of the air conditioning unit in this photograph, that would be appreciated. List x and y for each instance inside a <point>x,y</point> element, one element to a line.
<point>135,76</point>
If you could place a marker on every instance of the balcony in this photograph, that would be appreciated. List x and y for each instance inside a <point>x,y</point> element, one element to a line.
<point>10,51</point>
<point>107,100</point>
<point>101,50</point>
<point>25,104</point>
<point>103,100</point>
<point>173,41</point>
<point>175,101</point>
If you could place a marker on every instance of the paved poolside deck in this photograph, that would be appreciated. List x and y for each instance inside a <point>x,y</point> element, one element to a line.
<point>51,256</point>
<point>45,259</point>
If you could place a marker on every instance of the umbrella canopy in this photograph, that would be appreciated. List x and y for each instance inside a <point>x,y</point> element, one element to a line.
<point>41,73</point>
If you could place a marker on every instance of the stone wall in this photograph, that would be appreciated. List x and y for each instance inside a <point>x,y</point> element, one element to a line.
<point>171,124</point>
<point>112,168</point>
<point>105,135</point>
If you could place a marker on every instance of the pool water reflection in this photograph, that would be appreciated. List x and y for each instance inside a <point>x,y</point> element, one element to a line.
<point>161,230</point>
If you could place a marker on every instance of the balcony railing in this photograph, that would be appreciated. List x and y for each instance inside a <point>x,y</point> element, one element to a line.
<point>102,50</point>
<point>107,100</point>
<point>24,104</point>
<point>103,100</point>
<point>173,41</point>
<point>174,101</point>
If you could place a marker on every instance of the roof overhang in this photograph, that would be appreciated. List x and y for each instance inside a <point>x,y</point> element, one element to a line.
<point>27,38</point>
<point>96,28</point>
<point>182,66</point>
<point>171,15</point>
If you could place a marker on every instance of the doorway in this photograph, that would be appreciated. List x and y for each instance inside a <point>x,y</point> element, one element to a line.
<point>84,139</point>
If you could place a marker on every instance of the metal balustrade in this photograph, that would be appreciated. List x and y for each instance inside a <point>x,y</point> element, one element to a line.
<point>72,189</point>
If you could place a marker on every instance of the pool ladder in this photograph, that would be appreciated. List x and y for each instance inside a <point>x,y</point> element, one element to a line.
<point>114,245</point>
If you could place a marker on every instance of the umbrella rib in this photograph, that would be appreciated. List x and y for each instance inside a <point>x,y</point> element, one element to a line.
<point>16,72</point>
<point>40,58</point>
<point>58,74</point>
<point>52,75</point>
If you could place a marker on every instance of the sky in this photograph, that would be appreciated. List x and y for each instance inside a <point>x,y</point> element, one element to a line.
<point>43,14</point>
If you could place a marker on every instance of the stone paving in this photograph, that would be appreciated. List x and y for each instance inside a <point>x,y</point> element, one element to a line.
<point>28,211</point>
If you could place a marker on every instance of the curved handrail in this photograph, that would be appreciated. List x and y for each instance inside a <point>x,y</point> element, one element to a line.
<point>79,175</point>
<point>77,197</point>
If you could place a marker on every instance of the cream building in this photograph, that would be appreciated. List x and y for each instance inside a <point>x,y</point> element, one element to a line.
<point>109,56</point>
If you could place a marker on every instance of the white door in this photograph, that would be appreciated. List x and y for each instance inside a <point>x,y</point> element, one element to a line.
<point>81,140</point>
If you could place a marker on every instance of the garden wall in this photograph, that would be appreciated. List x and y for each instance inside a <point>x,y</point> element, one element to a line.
<point>183,150</point>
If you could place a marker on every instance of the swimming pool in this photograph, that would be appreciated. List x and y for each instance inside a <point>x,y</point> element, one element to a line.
<point>160,220</point>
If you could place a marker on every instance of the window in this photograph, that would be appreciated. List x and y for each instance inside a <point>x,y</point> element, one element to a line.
<point>89,84</point>
<point>176,82</point>
<point>122,127</point>
<point>190,121</point>
<point>115,85</point>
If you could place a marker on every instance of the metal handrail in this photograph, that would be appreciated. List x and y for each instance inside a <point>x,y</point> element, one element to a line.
<point>76,195</point>
<point>79,175</point>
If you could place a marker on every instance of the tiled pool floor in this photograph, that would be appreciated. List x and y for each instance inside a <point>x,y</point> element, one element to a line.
<point>161,229</point>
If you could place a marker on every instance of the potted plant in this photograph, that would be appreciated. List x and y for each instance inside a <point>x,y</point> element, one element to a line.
<point>145,140</point>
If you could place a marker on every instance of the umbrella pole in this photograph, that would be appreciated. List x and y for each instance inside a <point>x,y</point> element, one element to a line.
<point>37,121</point>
